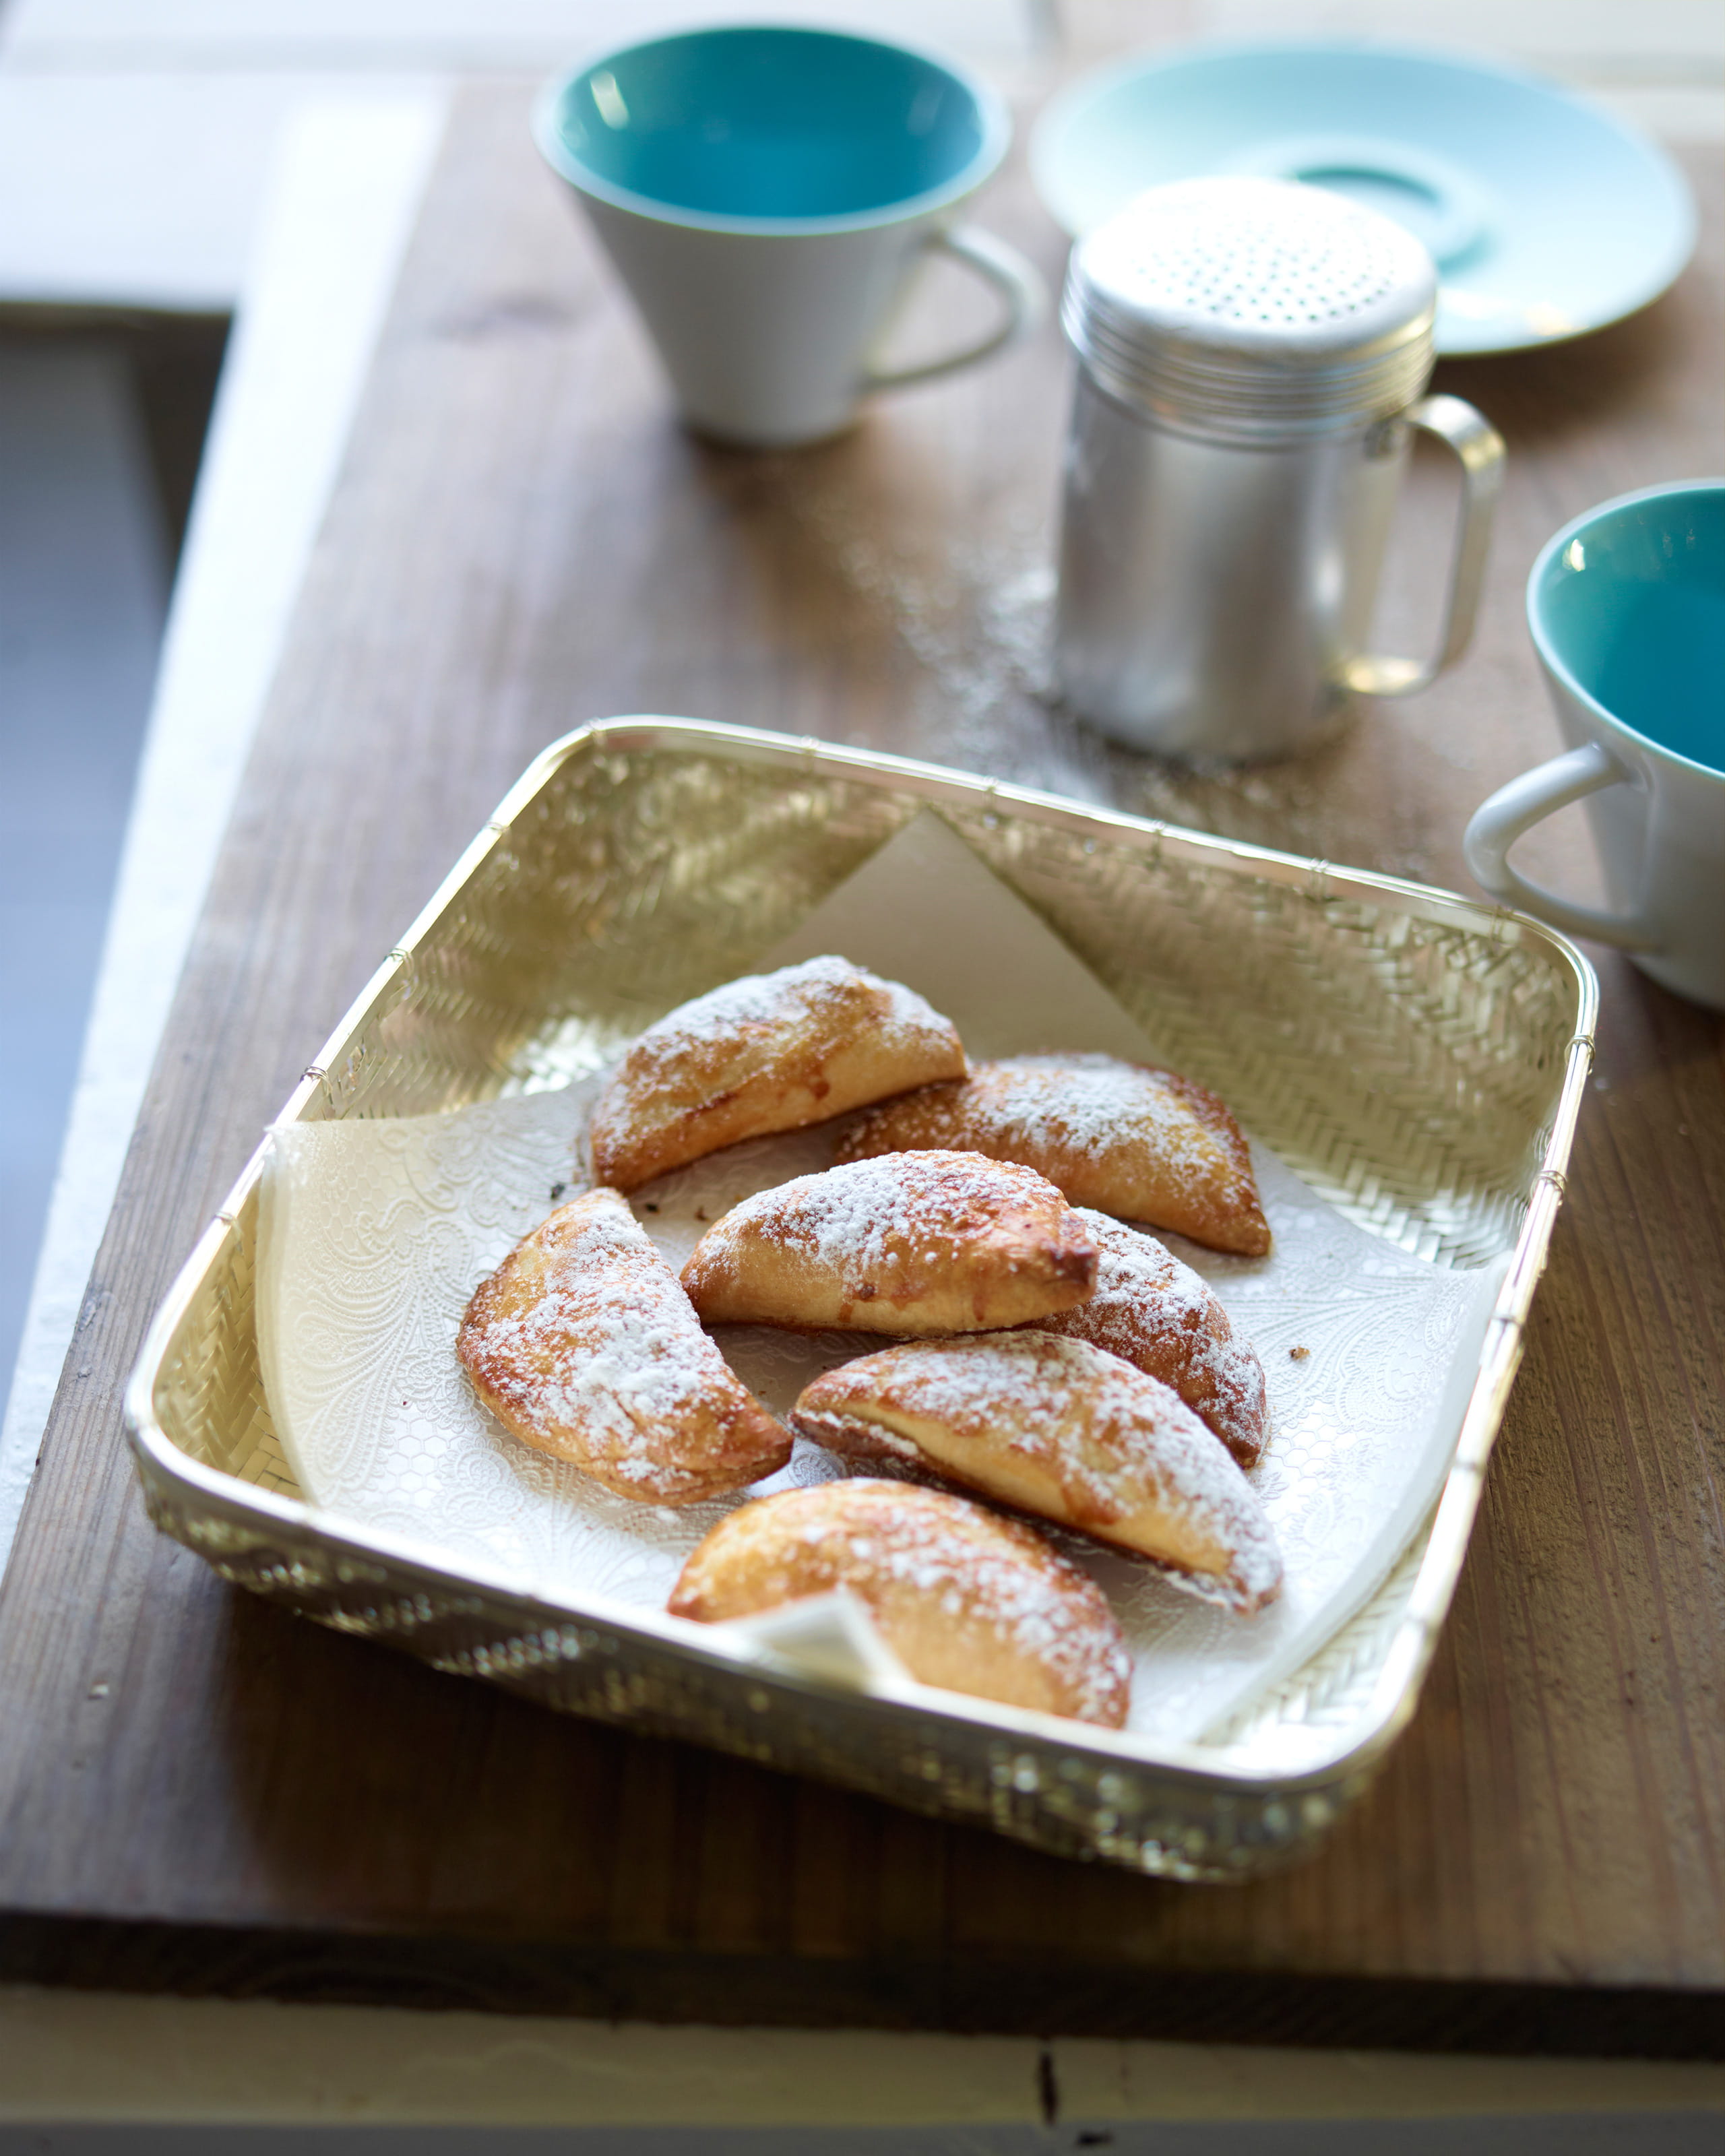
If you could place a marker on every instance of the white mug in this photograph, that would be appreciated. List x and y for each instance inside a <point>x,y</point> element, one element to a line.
<point>1626,607</point>
<point>766,194</point>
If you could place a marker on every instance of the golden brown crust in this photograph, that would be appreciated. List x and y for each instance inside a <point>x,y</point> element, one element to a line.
<point>1159,1316</point>
<point>916,1243</point>
<point>966,1599</point>
<point>769,1052</point>
<point>1064,1431</point>
<point>1141,1144</point>
<point>584,1344</point>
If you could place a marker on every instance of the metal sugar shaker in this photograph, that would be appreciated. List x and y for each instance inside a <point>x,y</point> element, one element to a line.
<point>1251,356</point>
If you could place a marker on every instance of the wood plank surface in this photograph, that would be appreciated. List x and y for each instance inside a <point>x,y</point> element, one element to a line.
<point>198,1791</point>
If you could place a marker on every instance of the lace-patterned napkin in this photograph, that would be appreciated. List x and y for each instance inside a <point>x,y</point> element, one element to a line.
<point>376,1233</point>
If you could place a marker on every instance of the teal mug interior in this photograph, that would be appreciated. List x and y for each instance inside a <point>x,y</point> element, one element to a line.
<point>1627,606</point>
<point>742,127</point>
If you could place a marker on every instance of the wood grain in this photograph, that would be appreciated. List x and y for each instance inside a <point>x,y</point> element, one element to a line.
<point>198,1791</point>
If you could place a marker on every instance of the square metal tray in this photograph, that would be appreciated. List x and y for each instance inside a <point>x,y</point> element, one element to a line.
<point>1418,1058</point>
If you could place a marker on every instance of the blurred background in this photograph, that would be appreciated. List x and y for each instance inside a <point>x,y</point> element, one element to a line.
<point>140,141</point>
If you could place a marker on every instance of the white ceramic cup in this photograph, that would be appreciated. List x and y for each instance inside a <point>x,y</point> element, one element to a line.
<point>1626,607</point>
<point>766,194</point>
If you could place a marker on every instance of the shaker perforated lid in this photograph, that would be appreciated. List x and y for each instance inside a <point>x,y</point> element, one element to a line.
<point>1253,310</point>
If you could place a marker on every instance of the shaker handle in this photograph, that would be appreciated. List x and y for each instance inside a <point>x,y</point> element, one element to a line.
<point>1480,447</point>
<point>1012,277</point>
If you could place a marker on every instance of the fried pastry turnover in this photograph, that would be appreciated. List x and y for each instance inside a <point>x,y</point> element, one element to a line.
<point>1063,1430</point>
<point>964,1599</point>
<point>770,1052</point>
<point>914,1243</point>
<point>1159,1316</point>
<point>584,1344</point>
<point>1140,1143</point>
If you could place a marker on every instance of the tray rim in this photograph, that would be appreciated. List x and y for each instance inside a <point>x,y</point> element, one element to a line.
<point>1394,1695</point>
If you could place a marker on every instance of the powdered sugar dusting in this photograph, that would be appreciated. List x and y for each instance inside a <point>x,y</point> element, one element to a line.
<point>765,999</point>
<point>1158,1315</point>
<point>907,1012</point>
<point>852,1219</point>
<point>751,1015</point>
<point>1094,1104</point>
<point>928,1561</point>
<point>767,1052</point>
<point>1114,1439</point>
<point>1132,1139</point>
<point>585,1337</point>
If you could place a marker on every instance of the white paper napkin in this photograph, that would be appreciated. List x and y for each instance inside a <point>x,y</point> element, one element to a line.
<point>376,1234</point>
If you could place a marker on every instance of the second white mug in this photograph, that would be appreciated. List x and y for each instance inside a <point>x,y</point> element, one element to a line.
<point>766,194</point>
<point>1626,607</point>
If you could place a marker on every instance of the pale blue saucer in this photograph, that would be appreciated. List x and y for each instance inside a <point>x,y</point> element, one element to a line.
<point>1547,216</point>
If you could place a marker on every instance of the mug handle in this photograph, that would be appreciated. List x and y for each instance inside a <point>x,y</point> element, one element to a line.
<point>1496,825</point>
<point>1012,277</point>
<point>1479,447</point>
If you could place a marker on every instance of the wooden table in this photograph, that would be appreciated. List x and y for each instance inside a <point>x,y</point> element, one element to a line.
<point>199,1792</point>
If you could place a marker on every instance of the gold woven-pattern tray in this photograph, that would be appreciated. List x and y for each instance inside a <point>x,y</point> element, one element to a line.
<point>1417,1058</point>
